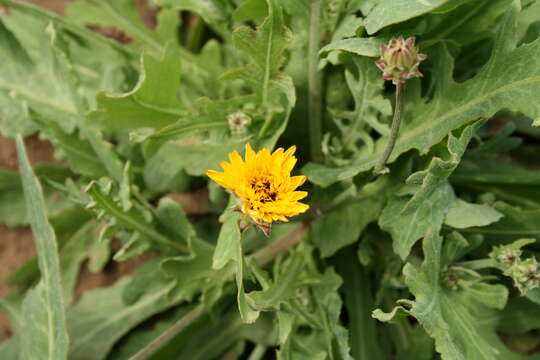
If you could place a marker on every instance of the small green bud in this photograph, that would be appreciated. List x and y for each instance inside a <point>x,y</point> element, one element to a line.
<point>238,123</point>
<point>400,59</point>
<point>508,256</point>
<point>451,279</point>
<point>525,274</point>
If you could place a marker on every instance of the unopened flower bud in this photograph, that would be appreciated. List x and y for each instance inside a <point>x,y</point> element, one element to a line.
<point>525,274</point>
<point>400,59</point>
<point>238,123</point>
<point>508,256</point>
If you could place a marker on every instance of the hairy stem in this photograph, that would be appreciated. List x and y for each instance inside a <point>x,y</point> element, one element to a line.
<point>314,80</point>
<point>262,257</point>
<point>396,122</point>
<point>171,332</point>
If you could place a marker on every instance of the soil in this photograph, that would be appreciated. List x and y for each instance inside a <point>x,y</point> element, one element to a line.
<point>16,244</point>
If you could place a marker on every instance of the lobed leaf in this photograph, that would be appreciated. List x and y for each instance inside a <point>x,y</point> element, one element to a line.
<point>456,104</point>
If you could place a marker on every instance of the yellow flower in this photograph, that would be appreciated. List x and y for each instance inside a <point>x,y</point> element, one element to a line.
<point>263,183</point>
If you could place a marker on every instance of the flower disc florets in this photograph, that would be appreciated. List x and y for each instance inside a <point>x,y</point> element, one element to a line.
<point>263,183</point>
<point>400,59</point>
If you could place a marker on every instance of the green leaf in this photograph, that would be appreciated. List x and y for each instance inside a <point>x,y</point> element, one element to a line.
<point>207,117</point>
<point>462,328</point>
<point>229,249</point>
<point>516,223</point>
<point>370,47</point>
<point>130,219</point>
<point>12,205</point>
<point>184,129</point>
<point>14,116</point>
<point>439,170</point>
<point>274,90</point>
<point>250,10</point>
<point>265,46</point>
<point>27,72</point>
<point>100,318</point>
<point>521,315</point>
<point>9,349</point>
<point>345,224</point>
<point>359,302</point>
<point>193,273</point>
<point>407,228</point>
<point>463,215</point>
<point>366,86</point>
<point>174,220</point>
<point>79,153</point>
<point>483,168</point>
<point>152,103</point>
<point>214,12</point>
<point>228,241</point>
<point>136,340</point>
<point>121,14</point>
<point>394,11</point>
<point>195,159</point>
<point>287,280</point>
<point>456,104</point>
<point>44,332</point>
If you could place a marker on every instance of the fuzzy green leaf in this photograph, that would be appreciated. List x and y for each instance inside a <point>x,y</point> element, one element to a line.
<point>388,12</point>
<point>122,14</point>
<point>516,223</point>
<point>439,170</point>
<point>101,318</point>
<point>152,103</point>
<point>345,224</point>
<point>406,229</point>
<point>456,104</point>
<point>463,215</point>
<point>214,12</point>
<point>44,332</point>
<point>462,328</point>
<point>370,47</point>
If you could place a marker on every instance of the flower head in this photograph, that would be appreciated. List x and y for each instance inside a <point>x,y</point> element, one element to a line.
<point>263,183</point>
<point>400,59</point>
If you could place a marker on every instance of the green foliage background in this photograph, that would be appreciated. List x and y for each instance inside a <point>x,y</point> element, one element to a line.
<point>393,267</point>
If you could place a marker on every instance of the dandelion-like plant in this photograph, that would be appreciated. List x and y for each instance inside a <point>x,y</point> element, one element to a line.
<point>263,184</point>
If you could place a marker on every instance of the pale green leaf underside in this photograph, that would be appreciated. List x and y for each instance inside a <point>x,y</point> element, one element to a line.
<point>464,215</point>
<point>388,12</point>
<point>370,47</point>
<point>44,331</point>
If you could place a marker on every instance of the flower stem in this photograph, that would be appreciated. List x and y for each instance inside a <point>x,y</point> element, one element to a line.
<point>396,122</point>
<point>314,82</point>
<point>171,332</point>
<point>262,257</point>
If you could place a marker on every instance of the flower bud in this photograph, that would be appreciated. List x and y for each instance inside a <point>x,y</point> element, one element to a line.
<point>508,256</point>
<point>399,60</point>
<point>238,123</point>
<point>525,274</point>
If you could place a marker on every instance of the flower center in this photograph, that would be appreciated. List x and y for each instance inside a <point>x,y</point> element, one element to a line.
<point>264,189</point>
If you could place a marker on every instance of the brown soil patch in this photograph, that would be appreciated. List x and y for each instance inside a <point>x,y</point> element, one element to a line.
<point>39,151</point>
